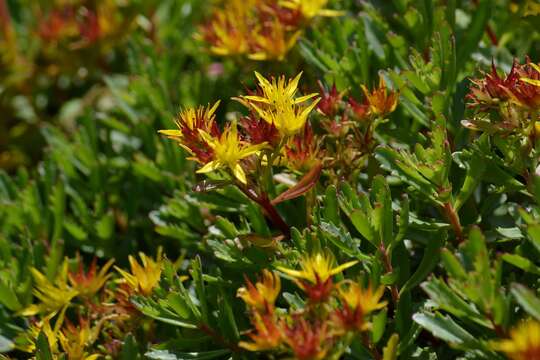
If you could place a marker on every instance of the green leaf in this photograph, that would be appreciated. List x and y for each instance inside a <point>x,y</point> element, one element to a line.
<point>343,240</point>
<point>362,224</point>
<point>447,299</point>
<point>522,263</point>
<point>43,351</point>
<point>379,325</point>
<point>452,265</point>
<point>105,226</point>
<point>195,355</point>
<point>429,260</point>
<point>308,52</point>
<point>129,350</point>
<point>403,224</point>
<point>177,303</point>
<point>534,235</point>
<point>473,177</point>
<point>331,205</point>
<point>227,227</point>
<point>75,230</point>
<point>227,318</point>
<point>8,297</point>
<point>474,33</point>
<point>383,201</point>
<point>371,33</point>
<point>444,328</point>
<point>510,233</point>
<point>257,220</point>
<point>57,206</point>
<point>527,299</point>
<point>200,288</point>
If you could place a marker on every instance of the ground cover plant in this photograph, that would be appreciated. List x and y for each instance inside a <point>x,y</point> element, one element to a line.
<point>270,179</point>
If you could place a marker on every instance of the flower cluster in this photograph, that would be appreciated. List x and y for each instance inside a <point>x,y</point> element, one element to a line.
<point>277,130</point>
<point>260,29</point>
<point>506,104</point>
<point>350,124</point>
<point>276,116</point>
<point>101,306</point>
<point>331,312</point>
<point>281,133</point>
<point>80,24</point>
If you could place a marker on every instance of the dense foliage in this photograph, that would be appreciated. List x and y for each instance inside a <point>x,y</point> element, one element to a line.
<point>278,179</point>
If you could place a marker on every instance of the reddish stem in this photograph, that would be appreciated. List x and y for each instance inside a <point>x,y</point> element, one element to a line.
<point>269,210</point>
<point>5,18</point>
<point>491,34</point>
<point>389,269</point>
<point>369,345</point>
<point>453,218</point>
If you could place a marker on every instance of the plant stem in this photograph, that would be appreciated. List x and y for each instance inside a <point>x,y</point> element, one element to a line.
<point>389,269</point>
<point>274,216</point>
<point>369,345</point>
<point>269,210</point>
<point>5,18</point>
<point>453,218</point>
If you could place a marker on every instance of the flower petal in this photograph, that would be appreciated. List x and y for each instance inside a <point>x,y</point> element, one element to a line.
<point>211,166</point>
<point>239,173</point>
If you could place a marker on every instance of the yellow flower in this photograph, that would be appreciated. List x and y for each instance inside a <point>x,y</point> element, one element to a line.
<point>266,336</point>
<point>310,8</point>
<point>381,101</point>
<point>279,106</point>
<point>228,150</point>
<point>52,296</point>
<point>27,341</point>
<point>356,297</point>
<point>315,276</point>
<point>228,31</point>
<point>263,294</point>
<point>524,342</point>
<point>189,121</point>
<point>317,267</point>
<point>75,340</point>
<point>144,277</point>
<point>274,42</point>
<point>90,282</point>
<point>193,119</point>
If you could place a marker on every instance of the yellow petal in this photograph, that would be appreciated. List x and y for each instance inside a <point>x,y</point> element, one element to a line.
<point>172,133</point>
<point>535,67</point>
<point>211,166</point>
<point>330,13</point>
<point>291,272</point>
<point>342,267</point>
<point>262,80</point>
<point>208,138</point>
<point>239,173</point>
<point>259,56</point>
<point>301,99</point>
<point>256,98</point>
<point>531,81</point>
<point>214,108</point>
<point>293,85</point>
